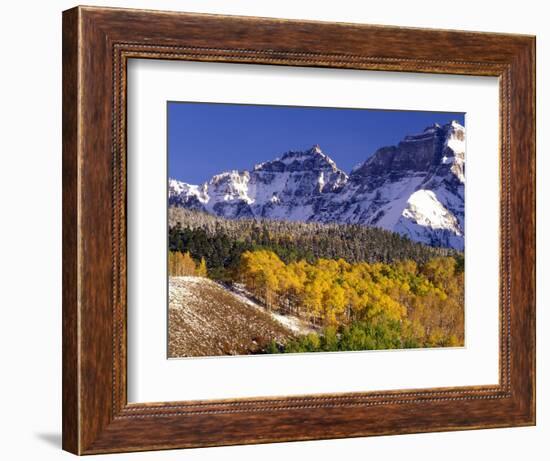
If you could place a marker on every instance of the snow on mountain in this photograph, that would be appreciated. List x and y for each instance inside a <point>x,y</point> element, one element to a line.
<point>183,194</point>
<point>415,188</point>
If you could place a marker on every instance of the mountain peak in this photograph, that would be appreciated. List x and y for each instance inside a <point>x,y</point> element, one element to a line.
<point>304,154</point>
<point>309,160</point>
<point>316,149</point>
<point>420,153</point>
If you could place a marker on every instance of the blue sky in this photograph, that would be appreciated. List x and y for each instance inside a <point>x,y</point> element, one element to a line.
<point>205,138</point>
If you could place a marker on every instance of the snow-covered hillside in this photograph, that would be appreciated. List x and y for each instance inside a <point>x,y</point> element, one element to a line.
<point>415,188</point>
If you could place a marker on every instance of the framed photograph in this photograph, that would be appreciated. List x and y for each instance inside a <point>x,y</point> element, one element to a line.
<point>270,233</point>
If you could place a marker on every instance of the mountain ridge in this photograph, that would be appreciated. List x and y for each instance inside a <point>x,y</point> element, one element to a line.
<point>415,188</point>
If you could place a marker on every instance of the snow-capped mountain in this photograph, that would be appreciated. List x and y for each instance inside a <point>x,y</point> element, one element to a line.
<point>415,188</point>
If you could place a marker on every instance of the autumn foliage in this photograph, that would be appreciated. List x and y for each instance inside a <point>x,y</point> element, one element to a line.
<point>180,264</point>
<point>403,304</point>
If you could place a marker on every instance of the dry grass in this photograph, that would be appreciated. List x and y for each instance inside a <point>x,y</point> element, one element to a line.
<point>205,319</point>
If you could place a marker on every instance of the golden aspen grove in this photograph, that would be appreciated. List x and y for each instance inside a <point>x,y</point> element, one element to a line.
<point>367,306</point>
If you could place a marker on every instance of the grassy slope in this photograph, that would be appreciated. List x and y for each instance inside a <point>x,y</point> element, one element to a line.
<point>205,319</point>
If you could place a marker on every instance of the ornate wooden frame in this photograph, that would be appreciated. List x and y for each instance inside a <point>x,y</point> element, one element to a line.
<point>97,43</point>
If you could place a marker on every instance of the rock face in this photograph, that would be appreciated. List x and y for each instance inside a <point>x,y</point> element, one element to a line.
<point>415,188</point>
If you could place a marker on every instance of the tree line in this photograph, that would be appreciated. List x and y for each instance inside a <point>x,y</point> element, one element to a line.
<point>221,242</point>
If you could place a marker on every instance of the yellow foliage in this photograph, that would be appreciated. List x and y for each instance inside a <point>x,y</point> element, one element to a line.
<point>180,264</point>
<point>202,271</point>
<point>427,300</point>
